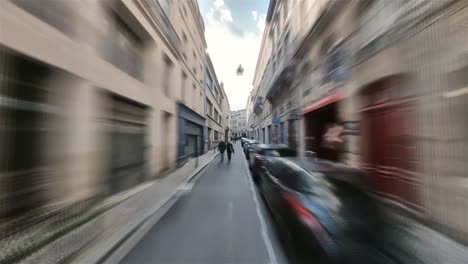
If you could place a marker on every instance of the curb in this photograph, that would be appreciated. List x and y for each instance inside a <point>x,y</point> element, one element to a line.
<point>116,250</point>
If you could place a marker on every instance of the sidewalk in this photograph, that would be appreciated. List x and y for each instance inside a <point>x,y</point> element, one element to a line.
<point>411,241</point>
<point>90,236</point>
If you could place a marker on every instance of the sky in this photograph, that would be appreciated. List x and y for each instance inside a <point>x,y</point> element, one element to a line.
<point>233,32</point>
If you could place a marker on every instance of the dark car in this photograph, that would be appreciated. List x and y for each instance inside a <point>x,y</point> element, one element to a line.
<point>244,143</point>
<point>323,209</point>
<point>248,145</point>
<point>259,154</point>
<point>243,140</point>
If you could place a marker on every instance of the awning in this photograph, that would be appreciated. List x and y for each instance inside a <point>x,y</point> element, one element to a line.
<point>334,96</point>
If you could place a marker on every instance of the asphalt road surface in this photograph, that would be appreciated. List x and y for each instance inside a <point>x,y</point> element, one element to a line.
<point>222,219</point>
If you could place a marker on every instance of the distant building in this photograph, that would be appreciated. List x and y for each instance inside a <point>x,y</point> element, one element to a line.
<point>216,108</point>
<point>238,122</point>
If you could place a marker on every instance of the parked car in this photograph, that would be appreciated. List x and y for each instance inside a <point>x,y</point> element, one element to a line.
<point>260,153</point>
<point>323,209</point>
<point>243,140</point>
<point>246,142</point>
<point>248,145</point>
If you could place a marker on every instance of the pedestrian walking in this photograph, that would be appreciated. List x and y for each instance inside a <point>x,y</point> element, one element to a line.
<point>230,150</point>
<point>222,148</point>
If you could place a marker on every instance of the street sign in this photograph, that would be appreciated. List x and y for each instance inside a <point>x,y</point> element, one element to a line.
<point>275,120</point>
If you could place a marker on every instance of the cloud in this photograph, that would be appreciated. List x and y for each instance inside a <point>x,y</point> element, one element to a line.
<point>255,15</point>
<point>229,46</point>
<point>221,13</point>
<point>218,3</point>
<point>261,22</point>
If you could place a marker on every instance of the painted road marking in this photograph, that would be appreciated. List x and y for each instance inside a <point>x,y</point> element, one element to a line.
<point>265,237</point>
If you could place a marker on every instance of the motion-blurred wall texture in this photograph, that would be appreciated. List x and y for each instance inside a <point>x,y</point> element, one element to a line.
<point>394,75</point>
<point>94,98</point>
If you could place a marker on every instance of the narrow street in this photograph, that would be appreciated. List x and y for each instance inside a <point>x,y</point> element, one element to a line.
<point>222,219</point>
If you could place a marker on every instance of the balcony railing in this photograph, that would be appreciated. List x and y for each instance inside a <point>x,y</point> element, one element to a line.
<point>162,21</point>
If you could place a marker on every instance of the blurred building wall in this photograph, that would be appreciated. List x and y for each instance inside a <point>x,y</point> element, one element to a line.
<point>405,89</point>
<point>392,74</point>
<point>275,99</point>
<point>115,74</point>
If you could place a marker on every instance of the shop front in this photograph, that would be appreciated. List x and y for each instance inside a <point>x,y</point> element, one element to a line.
<point>320,116</point>
<point>191,136</point>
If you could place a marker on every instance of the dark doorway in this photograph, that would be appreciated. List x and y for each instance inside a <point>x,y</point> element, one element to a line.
<point>316,123</point>
<point>127,144</point>
<point>25,112</point>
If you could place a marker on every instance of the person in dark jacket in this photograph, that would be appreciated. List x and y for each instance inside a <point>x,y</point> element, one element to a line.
<point>222,148</point>
<point>230,150</point>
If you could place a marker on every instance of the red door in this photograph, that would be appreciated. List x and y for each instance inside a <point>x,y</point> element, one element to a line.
<point>390,147</point>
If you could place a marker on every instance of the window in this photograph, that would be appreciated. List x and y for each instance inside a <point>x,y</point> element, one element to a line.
<point>208,81</point>
<point>168,67</point>
<point>53,12</point>
<point>184,44</point>
<point>216,135</point>
<point>201,101</point>
<point>123,48</point>
<point>194,97</point>
<point>215,114</point>
<point>184,81</point>
<point>336,70</point>
<point>210,107</point>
